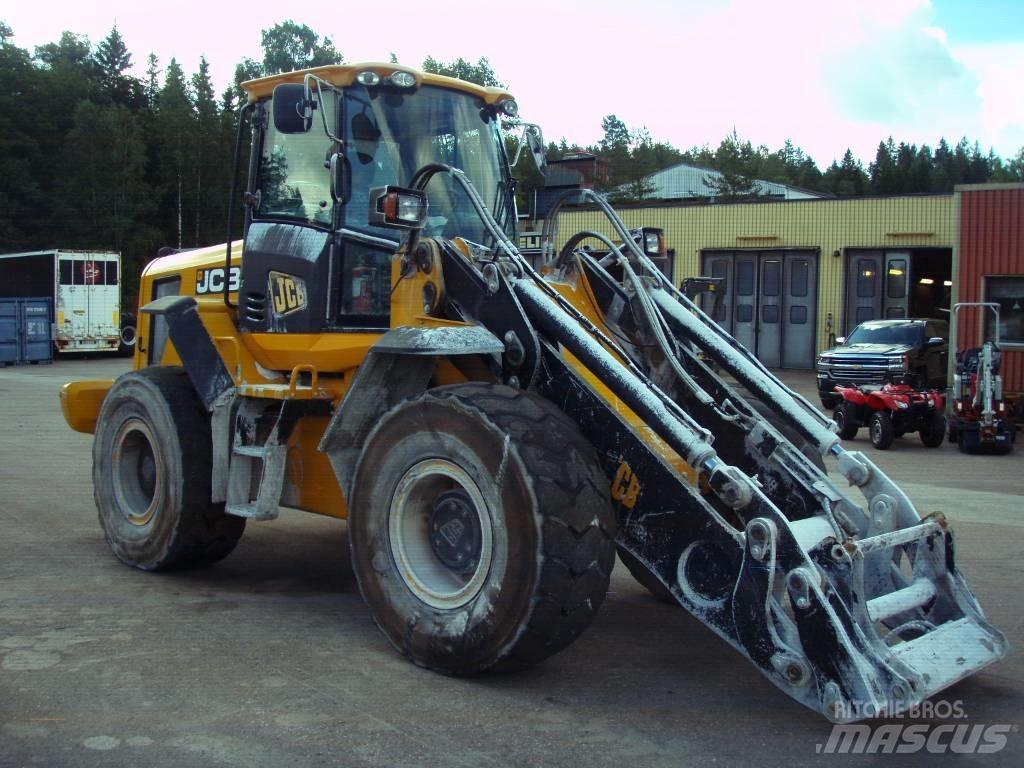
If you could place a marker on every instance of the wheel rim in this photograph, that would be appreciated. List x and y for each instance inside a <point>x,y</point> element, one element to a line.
<point>876,430</point>
<point>440,534</point>
<point>136,472</point>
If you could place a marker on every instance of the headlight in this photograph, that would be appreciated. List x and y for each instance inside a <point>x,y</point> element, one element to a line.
<point>652,243</point>
<point>898,363</point>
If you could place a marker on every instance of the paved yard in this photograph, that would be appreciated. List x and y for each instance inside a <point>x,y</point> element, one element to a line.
<point>271,659</point>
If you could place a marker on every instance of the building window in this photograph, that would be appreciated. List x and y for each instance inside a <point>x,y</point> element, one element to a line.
<point>798,278</point>
<point>745,278</point>
<point>865,279</point>
<point>1008,293</point>
<point>896,284</point>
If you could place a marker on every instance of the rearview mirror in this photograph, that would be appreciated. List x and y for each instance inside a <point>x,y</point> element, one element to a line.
<point>535,141</point>
<point>935,341</point>
<point>840,340</point>
<point>293,108</point>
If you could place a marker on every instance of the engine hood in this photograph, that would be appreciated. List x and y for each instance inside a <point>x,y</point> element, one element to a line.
<point>868,349</point>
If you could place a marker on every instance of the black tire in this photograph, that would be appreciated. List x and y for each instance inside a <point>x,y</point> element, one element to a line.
<point>151,470</point>
<point>527,486</point>
<point>829,402</point>
<point>880,427</point>
<point>845,417</point>
<point>933,432</point>
<point>126,343</point>
<point>644,577</point>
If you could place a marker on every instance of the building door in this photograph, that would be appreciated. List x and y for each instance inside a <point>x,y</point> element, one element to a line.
<point>800,296</point>
<point>768,302</point>
<point>863,288</point>
<point>896,284</point>
<point>769,332</point>
<point>745,301</point>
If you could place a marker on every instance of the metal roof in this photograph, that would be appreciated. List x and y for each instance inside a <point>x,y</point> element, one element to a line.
<point>687,181</point>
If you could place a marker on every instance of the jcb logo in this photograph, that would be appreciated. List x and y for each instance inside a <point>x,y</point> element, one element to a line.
<point>287,293</point>
<point>625,488</point>
<point>212,280</point>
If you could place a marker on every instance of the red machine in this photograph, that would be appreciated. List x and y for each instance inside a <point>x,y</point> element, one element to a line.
<point>890,412</point>
<point>979,421</point>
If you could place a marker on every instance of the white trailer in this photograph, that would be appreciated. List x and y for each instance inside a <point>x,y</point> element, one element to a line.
<point>85,288</point>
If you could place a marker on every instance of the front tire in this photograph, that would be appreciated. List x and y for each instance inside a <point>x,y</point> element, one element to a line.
<point>480,528</point>
<point>881,429</point>
<point>152,459</point>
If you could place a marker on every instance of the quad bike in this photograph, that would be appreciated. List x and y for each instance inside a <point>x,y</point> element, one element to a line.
<point>979,422</point>
<point>891,412</point>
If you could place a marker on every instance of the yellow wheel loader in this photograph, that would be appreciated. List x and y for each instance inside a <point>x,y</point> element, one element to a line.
<point>376,348</point>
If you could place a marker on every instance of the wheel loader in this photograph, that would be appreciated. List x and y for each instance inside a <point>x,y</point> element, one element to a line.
<point>377,349</point>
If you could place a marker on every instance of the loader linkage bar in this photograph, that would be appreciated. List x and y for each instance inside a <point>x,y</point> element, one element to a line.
<point>853,609</point>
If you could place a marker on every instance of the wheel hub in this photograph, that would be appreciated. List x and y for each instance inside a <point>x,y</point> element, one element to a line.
<point>455,531</point>
<point>136,472</point>
<point>440,535</point>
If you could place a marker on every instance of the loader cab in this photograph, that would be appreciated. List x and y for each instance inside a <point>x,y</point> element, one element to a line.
<point>313,260</point>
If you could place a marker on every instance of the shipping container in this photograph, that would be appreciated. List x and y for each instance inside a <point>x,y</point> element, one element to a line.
<point>25,335</point>
<point>83,289</point>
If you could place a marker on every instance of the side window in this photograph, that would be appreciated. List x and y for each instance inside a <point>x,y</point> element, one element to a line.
<point>294,181</point>
<point>364,298</point>
<point>158,323</point>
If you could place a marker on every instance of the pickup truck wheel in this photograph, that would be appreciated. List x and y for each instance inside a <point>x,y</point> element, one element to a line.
<point>845,417</point>
<point>152,459</point>
<point>828,402</point>
<point>881,429</point>
<point>933,431</point>
<point>480,528</point>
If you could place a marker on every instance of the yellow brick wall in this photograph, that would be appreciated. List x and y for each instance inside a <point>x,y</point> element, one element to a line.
<point>825,226</point>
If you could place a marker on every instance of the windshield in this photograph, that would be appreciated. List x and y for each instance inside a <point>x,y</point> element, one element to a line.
<point>389,136</point>
<point>889,333</point>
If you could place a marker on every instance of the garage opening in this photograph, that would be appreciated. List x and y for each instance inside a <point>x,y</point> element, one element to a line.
<point>768,302</point>
<point>895,283</point>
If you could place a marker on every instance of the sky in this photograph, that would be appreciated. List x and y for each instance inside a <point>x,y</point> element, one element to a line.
<point>825,74</point>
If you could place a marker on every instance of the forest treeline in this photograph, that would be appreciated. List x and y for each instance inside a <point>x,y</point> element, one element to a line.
<point>92,156</point>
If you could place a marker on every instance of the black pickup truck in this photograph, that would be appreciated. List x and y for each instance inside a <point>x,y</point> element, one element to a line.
<point>879,352</point>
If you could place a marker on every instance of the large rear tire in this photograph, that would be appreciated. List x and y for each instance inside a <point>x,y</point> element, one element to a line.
<point>480,528</point>
<point>151,474</point>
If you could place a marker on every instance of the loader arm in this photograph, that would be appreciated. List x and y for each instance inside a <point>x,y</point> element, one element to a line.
<point>852,607</point>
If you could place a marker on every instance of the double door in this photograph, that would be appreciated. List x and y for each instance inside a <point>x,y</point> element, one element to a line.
<point>877,286</point>
<point>768,302</point>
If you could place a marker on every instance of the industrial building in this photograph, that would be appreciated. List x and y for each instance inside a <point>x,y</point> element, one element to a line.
<point>800,272</point>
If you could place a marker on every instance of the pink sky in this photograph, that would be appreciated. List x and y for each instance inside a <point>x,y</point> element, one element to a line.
<point>827,75</point>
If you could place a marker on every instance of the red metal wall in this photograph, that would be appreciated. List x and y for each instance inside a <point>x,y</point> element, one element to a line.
<point>991,243</point>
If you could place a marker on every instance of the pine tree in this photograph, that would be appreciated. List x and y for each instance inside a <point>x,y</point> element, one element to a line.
<point>112,60</point>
